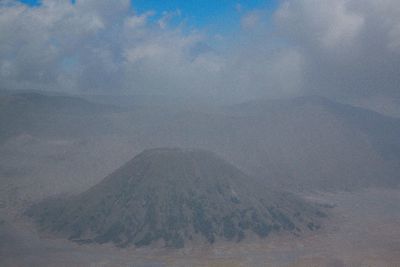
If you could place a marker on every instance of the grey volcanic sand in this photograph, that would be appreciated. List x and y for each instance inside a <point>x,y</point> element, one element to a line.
<point>364,230</point>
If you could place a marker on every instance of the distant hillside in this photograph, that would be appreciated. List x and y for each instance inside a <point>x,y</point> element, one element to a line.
<point>173,196</point>
<point>313,142</point>
<point>306,143</point>
<point>35,113</point>
<point>66,143</point>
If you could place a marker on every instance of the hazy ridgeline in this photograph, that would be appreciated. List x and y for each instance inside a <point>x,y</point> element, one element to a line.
<point>309,143</point>
<point>57,146</point>
<point>199,133</point>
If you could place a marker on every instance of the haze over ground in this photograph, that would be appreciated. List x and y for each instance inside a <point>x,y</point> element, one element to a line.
<point>300,98</point>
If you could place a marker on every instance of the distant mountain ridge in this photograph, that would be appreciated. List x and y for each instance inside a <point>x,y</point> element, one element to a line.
<point>305,143</point>
<point>32,112</point>
<point>319,143</point>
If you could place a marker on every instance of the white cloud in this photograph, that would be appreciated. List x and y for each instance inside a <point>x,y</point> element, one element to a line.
<point>167,17</point>
<point>350,47</point>
<point>327,47</point>
<point>324,24</point>
<point>112,48</point>
<point>251,19</point>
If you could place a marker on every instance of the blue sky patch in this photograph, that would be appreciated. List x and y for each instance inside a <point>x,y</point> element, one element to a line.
<point>218,15</point>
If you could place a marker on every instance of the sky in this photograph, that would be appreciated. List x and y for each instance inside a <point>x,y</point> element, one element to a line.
<point>196,13</point>
<point>223,49</point>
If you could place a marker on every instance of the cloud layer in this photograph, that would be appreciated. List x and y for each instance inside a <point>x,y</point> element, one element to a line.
<point>328,47</point>
<point>98,46</point>
<point>350,47</point>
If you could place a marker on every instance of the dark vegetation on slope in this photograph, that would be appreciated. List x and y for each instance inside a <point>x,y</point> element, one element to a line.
<point>172,196</point>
